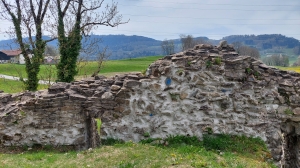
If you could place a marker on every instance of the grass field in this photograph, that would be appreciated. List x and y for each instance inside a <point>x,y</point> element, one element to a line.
<point>86,69</point>
<point>212,152</point>
<point>12,86</point>
<point>295,69</point>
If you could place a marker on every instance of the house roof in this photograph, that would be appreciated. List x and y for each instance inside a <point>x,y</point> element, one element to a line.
<point>12,53</point>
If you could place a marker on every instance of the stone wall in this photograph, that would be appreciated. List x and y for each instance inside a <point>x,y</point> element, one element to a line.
<point>207,89</point>
<point>41,119</point>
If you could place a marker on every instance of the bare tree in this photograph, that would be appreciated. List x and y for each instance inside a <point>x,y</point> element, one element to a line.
<point>27,17</point>
<point>201,41</point>
<point>297,63</point>
<point>296,50</point>
<point>50,50</point>
<point>77,18</point>
<point>277,60</point>
<point>101,58</point>
<point>167,47</point>
<point>245,50</point>
<point>187,42</point>
<point>237,45</point>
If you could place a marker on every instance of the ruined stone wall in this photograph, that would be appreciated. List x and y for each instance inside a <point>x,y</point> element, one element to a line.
<point>52,119</point>
<point>203,90</point>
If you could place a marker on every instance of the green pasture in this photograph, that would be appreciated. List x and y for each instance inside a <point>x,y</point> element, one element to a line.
<point>86,69</point>
<point>223,151</point>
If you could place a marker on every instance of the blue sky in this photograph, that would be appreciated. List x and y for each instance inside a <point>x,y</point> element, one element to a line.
<point>211,18</point>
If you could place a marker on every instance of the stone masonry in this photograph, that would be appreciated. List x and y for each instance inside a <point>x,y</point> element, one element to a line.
<point>207,89</point>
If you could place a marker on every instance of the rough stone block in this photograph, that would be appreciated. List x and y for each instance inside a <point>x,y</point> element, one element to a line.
<point>131,83</point>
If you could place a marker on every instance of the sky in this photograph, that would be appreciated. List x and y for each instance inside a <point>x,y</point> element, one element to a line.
<point>214,19</point>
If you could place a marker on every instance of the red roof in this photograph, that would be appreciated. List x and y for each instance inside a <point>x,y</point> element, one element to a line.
<point>12,53</point>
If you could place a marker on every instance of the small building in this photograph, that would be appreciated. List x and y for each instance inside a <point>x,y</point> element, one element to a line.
<point>4,58</point>
<point>16,56</point>
<point>13,55</point>
<point>51,59</point>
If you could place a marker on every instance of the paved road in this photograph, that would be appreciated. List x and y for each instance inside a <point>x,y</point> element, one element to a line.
<point>17,78</point>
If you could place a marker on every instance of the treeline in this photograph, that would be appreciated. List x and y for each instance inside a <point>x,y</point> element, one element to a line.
<point>265,41</point>
<point>186,42</point>
<point>277,60</point>
<point>242,49</point>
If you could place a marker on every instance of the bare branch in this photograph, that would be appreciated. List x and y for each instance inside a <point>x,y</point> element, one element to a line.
<point>32,11</point>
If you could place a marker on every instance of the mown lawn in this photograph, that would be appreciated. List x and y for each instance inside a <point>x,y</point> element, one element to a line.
<point>177,151</point>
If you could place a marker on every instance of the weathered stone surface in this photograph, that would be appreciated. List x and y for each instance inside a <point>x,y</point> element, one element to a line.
<point>297,111</point>
<point>131,83</point>
<point>183,95</point>
<point>58,87</point>
<point>77,97</point>
<point>155,87</point>
<point>115,88</point>
<point>107,96</point>
<point>222,44</point>
<point>84,85</point>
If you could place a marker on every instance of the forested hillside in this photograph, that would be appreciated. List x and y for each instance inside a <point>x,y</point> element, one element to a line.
<point>263,42</point>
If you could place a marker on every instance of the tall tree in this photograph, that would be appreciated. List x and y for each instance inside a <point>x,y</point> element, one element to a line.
<point>28,17</point>
<point>75,19</point>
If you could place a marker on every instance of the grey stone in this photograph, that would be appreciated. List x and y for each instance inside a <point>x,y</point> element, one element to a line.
<point>107,96</point>
<point>115,88</point>
<point>131,83</point>
<point>58,87</point>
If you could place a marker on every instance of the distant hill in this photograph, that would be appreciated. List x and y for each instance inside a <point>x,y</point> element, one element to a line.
<point>270,44</point>
<point>263,42</point>
<point>122,46</point>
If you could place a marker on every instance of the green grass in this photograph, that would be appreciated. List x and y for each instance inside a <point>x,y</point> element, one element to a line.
<point>98,122</point>
<point>180,152</point>
<point>295,69</point>
<point>127,65</point>
<point>12,86</point>
<point>87,68</point>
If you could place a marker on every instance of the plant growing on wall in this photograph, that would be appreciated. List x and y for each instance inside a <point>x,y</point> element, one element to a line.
<point>174,96</point>
<point>208,64</point>
<point>146,134</point>
<point>288,111</point>
<point>218,61</point>
<point>98,121</point>
<point>180,72</point>
<point>248,71</point>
